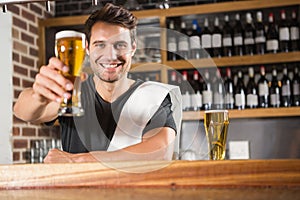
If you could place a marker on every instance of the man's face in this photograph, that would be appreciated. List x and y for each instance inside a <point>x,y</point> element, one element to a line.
<point>110,51</point>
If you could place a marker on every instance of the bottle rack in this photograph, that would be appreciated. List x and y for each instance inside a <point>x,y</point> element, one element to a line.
<point>188,64</point>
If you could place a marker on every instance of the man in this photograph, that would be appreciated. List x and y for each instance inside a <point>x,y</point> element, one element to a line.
<point>124,119</point>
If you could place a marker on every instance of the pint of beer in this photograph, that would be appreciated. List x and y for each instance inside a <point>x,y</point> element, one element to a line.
<point>70,49</point>
<point>216,127</point>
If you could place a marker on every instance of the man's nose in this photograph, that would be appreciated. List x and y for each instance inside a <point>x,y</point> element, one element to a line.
<point>111,53</point>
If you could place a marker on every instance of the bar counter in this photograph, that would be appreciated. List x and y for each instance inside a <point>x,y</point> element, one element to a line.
<point>238,179</point>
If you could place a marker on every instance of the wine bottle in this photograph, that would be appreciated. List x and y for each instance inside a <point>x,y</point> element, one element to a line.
<point>286,89</point>
<point>185,90</point>
<point>183,42</point>
<point>252,91</point>
<point>218,91</point>
<point>296,87</point>
<point>217,39</point>
<point>172,42</point>
<point>240,92</point>
<point>227,38</point>
<point>284,33</point>
<point>238,36</point>
<point>195,41</point>
<point>263,89</point>
<point>206,39</point>
<point>207,95</point>
<point>249,35</point>
<point>275,88</point>
<point>173,78</point>
<point>272,36</point>
<point>229,90</point>
<point>196,96</point>
<point>294,31</point>
<point>260,34</point>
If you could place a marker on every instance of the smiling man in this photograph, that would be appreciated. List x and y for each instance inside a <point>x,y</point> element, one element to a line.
<point>124,119</point>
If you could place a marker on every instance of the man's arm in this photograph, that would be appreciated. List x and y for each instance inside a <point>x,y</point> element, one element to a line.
<point>157,144</point>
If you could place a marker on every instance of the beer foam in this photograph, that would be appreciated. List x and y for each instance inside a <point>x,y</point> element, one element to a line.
<point>69,33</point>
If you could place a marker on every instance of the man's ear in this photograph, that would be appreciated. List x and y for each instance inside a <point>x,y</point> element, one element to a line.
<point>134,46</point>
<point>87,48</point>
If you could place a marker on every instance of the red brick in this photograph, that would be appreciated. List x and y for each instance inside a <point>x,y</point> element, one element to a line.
<point>36,9</point>
<point>27,38</point>
<point>22,48</point>
<point>28,131</point>
<point>16,57</point>
<point>44,132</point>
<point>20,70</point>
<point>33,52</point>
<point>16,131</point>
<point>26,83</point>
<point>20,143</point>
<point>19,23</point>
<point>16,93</point>
<point>16,81</point>
<point>27,61</point>
<point>33,29</point>
<point>14,9</point>
<point>33,73</point>
<point>28,16</point>
<point>16,156</point>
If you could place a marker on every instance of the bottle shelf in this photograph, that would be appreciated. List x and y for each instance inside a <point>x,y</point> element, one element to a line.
<point>248,113</point>
<point>236,61</point>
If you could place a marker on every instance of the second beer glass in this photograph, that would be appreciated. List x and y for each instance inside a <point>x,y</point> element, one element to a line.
<point>70,49</point>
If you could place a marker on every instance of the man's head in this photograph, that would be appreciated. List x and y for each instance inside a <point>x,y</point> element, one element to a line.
<point>111,36</point>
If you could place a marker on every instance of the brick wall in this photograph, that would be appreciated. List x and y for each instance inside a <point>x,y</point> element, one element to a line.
<point>25,66</point>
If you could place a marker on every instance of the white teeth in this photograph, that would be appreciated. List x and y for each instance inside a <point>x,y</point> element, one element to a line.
<point>107,66</point>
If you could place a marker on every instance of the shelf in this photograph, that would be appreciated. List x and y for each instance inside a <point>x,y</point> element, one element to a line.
<point>236,61</point>
<point>249,113</point>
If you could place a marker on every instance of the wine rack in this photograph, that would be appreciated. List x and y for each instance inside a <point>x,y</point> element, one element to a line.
<point>234,61</point>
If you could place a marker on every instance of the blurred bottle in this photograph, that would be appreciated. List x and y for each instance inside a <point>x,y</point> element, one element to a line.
<point>272,36</point>
<point>240,92</point>
<point>284,33</point>
<point>173,78</point>
<point>196,96</point>
<point>186,93</point>
<point>249,35</point>
<point>294,30</point>
<point>275,87</point>
<point>286,89</point>
<point>238,36</point>
<point>207,94</point>
<point>260,35</point>
<point>218,91</point>
<point>252,91</point>
<point>183,42</point>
<point>227,38</point>
<point>263,89</point>
<point>195,41</point>
<point>172,42</point>
<point>206,39</point>
<point>217,39</point>
<point>229,90</point>
<point>296,87</point>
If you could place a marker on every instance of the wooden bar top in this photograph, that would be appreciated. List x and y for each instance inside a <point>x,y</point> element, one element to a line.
<point>272,179</point>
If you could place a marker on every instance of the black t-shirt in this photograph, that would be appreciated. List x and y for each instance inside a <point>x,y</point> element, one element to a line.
<point>94,130</point>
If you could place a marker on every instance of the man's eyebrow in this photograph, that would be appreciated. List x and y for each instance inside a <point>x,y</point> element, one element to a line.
<point>98,41</point>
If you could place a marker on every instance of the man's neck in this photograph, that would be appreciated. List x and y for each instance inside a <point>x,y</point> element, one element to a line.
<point>111,91</point>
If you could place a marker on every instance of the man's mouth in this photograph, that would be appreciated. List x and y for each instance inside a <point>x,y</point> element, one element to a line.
<point>110,66</point>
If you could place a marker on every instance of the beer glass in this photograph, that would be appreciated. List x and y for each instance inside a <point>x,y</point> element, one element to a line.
<point>216,127</point>
<point>70,49</point>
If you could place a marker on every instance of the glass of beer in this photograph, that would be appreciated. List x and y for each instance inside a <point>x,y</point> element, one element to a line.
<point>216,127</point>
<point>70,49</point>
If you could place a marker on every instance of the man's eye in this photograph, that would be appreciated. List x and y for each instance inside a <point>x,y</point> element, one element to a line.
<point>100,45</point>
<point>120,46</point>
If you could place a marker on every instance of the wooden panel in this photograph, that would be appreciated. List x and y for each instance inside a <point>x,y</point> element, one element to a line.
<point>176,174</point>
<point>249,113</point>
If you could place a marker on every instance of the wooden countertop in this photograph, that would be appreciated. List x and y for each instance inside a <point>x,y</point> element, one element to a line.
<point>247,179</point>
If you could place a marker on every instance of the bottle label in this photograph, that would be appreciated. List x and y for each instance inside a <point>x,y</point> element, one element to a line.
<point>172,45</point>
<point>195,42</point>
<point>240,99</point>
<point>272,45</point>
<point>248,41</point>
<point>238,40</point>
<point>296,89</point>
<point>183,44</point>
<point>275,99</point>
<point>229,98</point>
<point>260,39</point>
<point>217,40</point>
<point>252,100</point>
<point>294,33</point>
<point>227,41</point>
<point>206,41</point>
<point>196,100</point>
<point>186,101</point>
<point>286,90</point>
<point>263,89</point>
<point>207,97</point>
<point>218,98</point>
<point>284,34</point>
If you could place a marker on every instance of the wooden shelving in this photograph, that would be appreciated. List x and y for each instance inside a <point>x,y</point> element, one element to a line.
<point>249,113</point>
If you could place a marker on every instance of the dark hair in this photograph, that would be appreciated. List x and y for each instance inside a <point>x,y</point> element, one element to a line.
<point>113,15</point>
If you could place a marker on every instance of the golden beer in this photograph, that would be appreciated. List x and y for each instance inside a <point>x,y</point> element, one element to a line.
<point>216,127</point>
<point>70,49</point>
